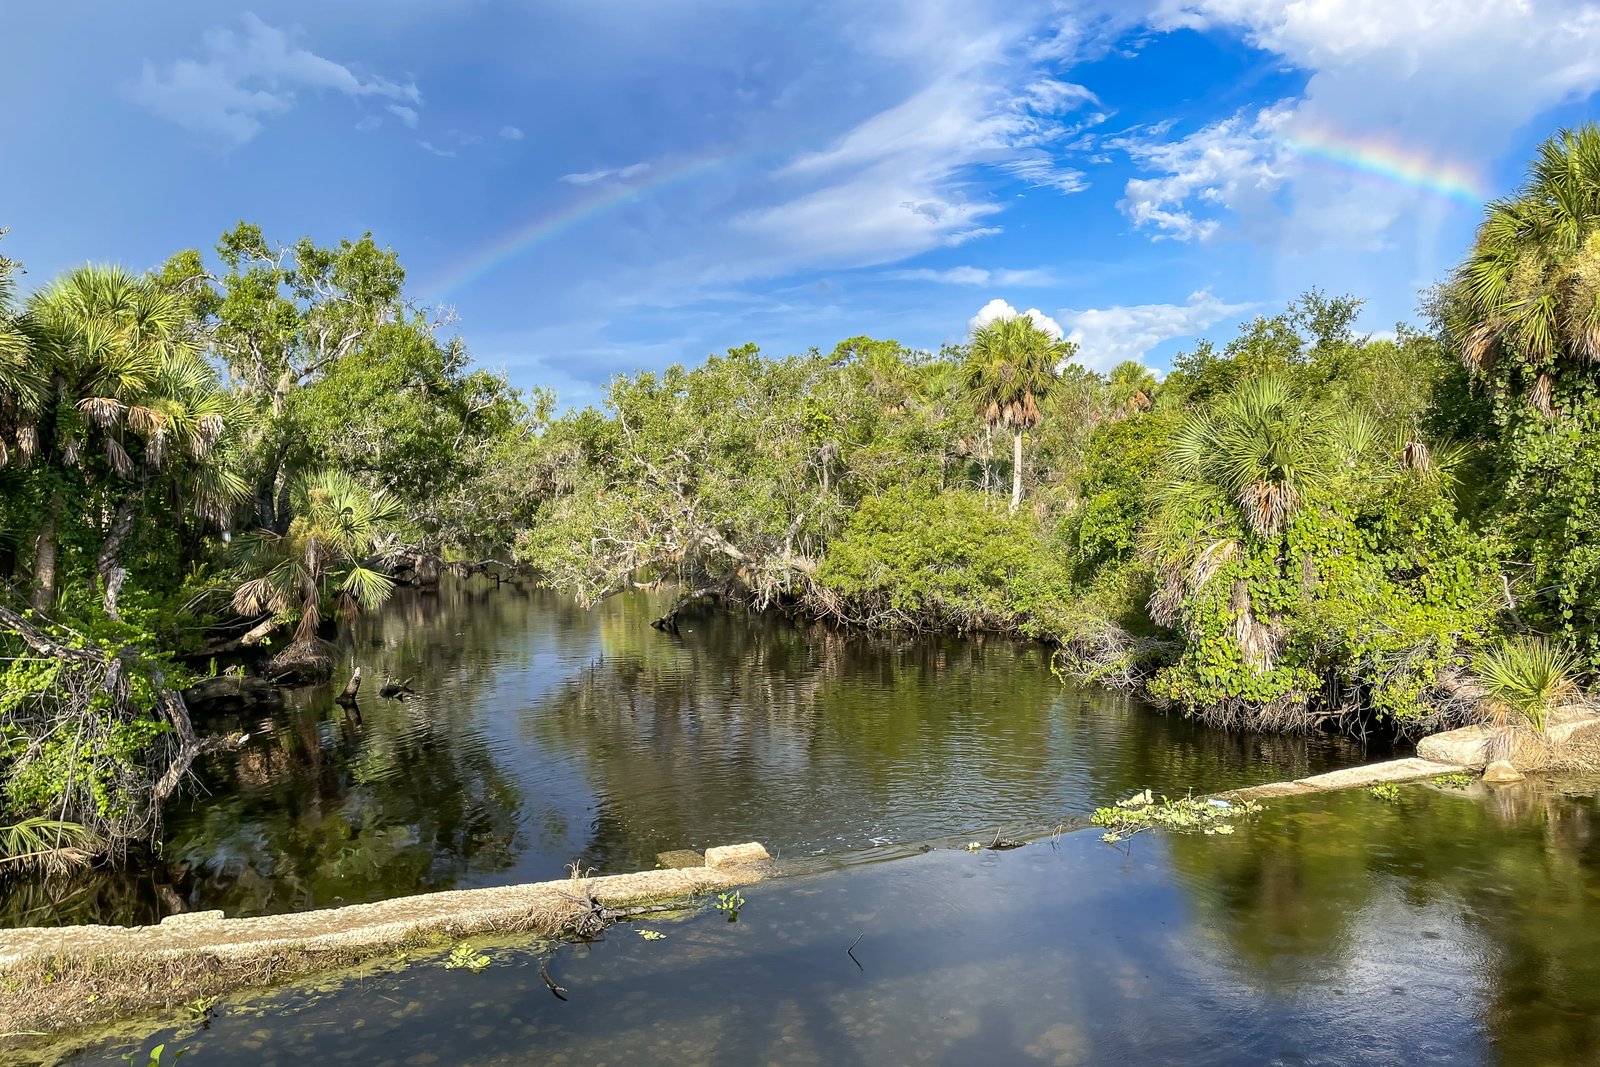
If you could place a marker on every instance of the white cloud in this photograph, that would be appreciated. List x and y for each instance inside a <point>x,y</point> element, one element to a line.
<point>1237,163</point>
<point>369,123</point>
<point>428,146</point>
<point>606,174</point>
<point>407,115</point>
<point>511,133</point>
<point>999,309</point>
<point>1043,172</point>
<point>971,276</point>
<point>1108,336</point>
<point>1444,83</point>
<point>243,79</point>
<point>901,181</point>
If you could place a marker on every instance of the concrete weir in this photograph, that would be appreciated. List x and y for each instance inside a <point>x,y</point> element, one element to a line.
<point>58,979</point>
<point>1462,751</point>
<point>1395,770</point>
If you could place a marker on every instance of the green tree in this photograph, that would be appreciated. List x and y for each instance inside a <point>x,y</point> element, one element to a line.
<point>1530,290</point>
<point>1524,313</point>
<point>1011,365</point>
<point>124,390</point>
<point>328,552</point>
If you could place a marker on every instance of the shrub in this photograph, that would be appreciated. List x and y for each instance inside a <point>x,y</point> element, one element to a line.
<point>1527,677</point>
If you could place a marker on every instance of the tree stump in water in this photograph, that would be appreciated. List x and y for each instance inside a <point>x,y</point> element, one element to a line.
<point>352,687</point>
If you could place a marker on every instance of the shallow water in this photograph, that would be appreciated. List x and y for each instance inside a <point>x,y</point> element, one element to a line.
<point>543,735</point>
<point>1446,928</point>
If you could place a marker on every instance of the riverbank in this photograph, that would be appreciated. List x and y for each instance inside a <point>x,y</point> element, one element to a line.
<point>61,979</point>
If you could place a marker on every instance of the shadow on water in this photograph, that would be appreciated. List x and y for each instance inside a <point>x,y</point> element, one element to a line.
<point>542,735</point>
<point>1448,928</point>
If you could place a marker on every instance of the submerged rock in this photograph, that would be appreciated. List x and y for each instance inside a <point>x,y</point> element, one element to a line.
<point>1501,771</point>
<point>231,694</point>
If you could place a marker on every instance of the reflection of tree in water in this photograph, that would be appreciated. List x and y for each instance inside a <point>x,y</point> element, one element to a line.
<point>809,737</point>
<point>322,807</point>
<point>743,727</point>
<point>1518,871</point>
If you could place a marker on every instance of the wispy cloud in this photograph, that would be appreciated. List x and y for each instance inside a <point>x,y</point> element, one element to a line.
<point>1043,172</point>
<point>972,276</point>
<point>510,133</point>
<point>901,181</point>
<point>241,79</point>
<point>407,115</point>
<point>606,174</point>
<point>1237,163</point>
<point>1438,80</point>
<point>429,146</point>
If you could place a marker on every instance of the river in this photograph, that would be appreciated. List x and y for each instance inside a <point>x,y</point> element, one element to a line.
<point>543,735</point>
<point>1450,926</point>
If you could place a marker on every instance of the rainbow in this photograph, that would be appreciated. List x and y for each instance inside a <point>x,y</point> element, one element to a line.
<point>1390,161</point>
<point>507,246</point>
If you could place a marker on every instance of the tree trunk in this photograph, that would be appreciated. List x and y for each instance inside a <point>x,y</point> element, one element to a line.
<point>987,463</point>
<point>44,558</point>
<point>109,563</point>
<point>1016,469</point>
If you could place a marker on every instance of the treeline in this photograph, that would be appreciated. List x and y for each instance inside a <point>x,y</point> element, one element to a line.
<point>1304,527</point>
<point>215,457</point>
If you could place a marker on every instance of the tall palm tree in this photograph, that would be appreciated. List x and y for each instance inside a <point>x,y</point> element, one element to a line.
<point>1011,364</point>
<point>339,526</point>
<point>123,381</point>
<point>1530,291</point>
<point>21,384</point>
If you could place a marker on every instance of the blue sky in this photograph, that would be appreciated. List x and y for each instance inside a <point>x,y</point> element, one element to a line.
<point>610,185</point>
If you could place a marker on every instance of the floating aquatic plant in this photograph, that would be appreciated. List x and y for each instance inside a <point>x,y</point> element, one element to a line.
<point>463,958</point>
<point>1190,814</point>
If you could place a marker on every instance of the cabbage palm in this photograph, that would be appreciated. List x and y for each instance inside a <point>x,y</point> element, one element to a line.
<point>1131,385</point>
<point>1261,449</point>
<point>123,380</point>
<point>1011,365</point>
<point>1530,291</point>
<point>339,526</point>
<point>21,383</point>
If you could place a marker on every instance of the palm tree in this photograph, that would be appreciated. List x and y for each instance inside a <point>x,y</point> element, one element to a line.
<point>1011,364</point>
<point>1530,291</point>
<point>1260,450</point>
<point>339,526</point>
<point>123,380</point>
<point>1132,386</point>
<point>21,385</point>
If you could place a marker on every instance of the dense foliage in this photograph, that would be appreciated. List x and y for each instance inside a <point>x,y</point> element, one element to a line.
<point>291,397</point>
<point>1300,527</point>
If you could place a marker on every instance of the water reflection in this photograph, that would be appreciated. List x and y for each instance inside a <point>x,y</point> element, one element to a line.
<point>543,735</point>
<point>1450,928</point>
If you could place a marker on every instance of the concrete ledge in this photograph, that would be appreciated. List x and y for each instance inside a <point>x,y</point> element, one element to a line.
<point>67,978</point>
<point>736,855</point>
<point>1398,770</point>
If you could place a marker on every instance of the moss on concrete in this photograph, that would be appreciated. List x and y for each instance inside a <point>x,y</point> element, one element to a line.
<point>64,979</point>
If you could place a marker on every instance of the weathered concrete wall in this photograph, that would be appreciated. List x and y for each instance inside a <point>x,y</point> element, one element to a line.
<point>70,977</point>
<point>1395,770</point>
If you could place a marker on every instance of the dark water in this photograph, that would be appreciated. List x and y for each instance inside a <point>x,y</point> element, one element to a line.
<point>1446,928</point>
<point>543,735</point>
